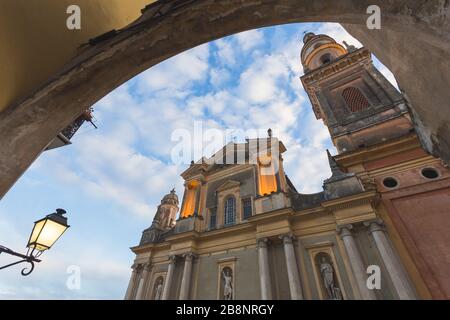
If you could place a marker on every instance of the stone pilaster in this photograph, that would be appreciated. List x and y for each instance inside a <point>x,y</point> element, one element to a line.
<point>264,274</point>
<point>169,277</point>
<point>356,262</point>
<point>187,273</point>
<point>140,295</point>
<point>295,286</point>
<point>141,281</point>
<point>391,261</point>
<point>131,283</point>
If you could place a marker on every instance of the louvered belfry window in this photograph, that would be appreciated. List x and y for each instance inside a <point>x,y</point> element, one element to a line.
<point>355,100</point>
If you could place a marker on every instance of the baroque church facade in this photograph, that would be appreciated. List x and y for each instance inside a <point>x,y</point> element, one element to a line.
<point>243,231</point>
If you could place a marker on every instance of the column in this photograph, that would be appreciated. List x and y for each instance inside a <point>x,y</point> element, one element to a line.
<point>356,262</point>
<point>292,267</point>
<point>140,283</point>
<point>264,274</point>
<point>169,277</point>
<point>131,283</point>
<point>140,295</point>
<point>187,273</point>
<point>391,261</point>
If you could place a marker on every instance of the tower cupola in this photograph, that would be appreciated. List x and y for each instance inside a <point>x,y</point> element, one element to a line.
<point>319,50</point>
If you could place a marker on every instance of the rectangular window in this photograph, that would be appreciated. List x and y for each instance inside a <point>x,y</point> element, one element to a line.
<point>212,218</point>
<point>230,211</point>
<point>247,206</point>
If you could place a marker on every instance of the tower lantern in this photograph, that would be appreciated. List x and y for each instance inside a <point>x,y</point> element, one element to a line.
<point>319,50</point>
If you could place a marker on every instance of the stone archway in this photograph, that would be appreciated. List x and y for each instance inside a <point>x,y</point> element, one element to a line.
<point>166,29</point>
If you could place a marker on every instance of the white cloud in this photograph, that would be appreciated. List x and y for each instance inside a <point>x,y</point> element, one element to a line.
<point>177,73</point>
<point>338,33</point>
<point>225,52</point>
<point>219,76</point>
<point>258,84</point>
<point>250,39</point>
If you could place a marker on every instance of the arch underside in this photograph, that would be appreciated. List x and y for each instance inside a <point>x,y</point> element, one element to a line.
<point>411,35</point>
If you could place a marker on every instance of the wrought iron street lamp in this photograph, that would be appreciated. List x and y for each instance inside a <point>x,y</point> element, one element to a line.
<point>44,234</point>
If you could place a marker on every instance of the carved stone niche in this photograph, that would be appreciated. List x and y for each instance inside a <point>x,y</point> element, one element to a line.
<point>226,279</point>
<point>157,289</point>
<point>328,277</point>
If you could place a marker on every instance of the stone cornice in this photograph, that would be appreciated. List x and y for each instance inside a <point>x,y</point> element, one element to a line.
<point>270,216</point>
<point>146,247</point>
<point>216,175</point>
<point>378,151</point>
<point>305,212</point>
<point>359,55</point>
<point>367,197</point>
<point>262,219</point>
<point>227,230</point>
<point>183,236</point>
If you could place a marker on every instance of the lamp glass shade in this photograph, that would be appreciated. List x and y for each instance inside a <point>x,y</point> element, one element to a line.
<point>45,233</point>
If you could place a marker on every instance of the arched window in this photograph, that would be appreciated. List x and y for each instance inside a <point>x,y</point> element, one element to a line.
<point>355,100</point>
<point>230,211</point>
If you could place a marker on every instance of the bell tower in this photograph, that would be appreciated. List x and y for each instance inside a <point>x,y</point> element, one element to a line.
<point>356,102</point>
<point>167,211</point>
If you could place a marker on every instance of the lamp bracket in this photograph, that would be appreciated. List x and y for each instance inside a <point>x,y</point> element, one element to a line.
<point>24,258</point>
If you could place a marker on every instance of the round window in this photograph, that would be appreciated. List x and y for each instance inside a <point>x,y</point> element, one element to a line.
<point>430,173</point>
<point>390,182</point>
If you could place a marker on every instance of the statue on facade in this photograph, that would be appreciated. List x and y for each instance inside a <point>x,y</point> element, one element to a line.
<point>327,272</point>
<point>228,287</point>
<point>159,289</point>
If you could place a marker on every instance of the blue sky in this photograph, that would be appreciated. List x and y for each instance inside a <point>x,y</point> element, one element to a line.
<point>110,180</point>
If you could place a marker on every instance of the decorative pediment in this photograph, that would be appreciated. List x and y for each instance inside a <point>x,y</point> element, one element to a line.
<point>228,185</point>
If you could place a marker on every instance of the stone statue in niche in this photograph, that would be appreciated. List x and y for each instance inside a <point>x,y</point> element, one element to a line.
<point>328,278</point>
<point>158,288</point>
<point>228,283</point>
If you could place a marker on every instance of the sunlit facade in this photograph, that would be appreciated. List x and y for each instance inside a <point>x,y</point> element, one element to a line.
<point>245,232</point>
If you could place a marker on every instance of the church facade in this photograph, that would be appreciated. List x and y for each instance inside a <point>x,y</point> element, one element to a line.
<point>377,230</point>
